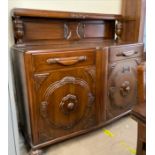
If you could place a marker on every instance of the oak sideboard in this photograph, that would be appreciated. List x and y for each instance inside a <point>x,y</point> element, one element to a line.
<point>73,73</point>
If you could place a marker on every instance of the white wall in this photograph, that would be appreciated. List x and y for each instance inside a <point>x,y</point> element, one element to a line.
<point>100,6</point>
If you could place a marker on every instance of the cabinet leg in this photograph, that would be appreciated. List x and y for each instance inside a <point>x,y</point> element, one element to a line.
<point>36,152</point>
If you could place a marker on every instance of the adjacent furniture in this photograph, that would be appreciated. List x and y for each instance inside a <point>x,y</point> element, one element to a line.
<point>73,73</point>
<point>139,111</point>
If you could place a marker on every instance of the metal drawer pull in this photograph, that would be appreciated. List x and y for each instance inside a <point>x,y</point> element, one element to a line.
<point>66,61</point>
<point>127,53</point>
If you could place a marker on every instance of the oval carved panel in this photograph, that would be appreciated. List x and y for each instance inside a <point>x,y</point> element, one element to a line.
<point>122,85</point>
<point>65,107</point>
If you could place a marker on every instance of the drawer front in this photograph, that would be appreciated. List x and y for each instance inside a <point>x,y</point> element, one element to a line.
<point>65,59</point>
<point>125,52</point>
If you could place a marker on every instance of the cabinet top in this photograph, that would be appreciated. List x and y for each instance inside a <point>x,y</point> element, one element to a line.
<point>62,14</point>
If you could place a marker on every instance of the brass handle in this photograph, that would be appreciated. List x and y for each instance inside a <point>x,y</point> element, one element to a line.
<point>127,53</point>
<point>66,61</point>
<point>70,106</point>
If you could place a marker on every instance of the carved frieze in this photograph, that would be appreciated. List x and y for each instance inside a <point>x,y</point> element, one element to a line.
<point>73,31</point>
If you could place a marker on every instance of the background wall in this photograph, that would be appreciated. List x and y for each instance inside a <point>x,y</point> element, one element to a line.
<point>100,6</point>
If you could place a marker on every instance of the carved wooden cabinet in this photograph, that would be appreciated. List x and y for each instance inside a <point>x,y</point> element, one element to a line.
<point>72,75</point>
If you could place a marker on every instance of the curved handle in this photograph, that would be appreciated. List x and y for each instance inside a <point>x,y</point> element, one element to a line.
<point>127,53</point>
<point>66,61</point>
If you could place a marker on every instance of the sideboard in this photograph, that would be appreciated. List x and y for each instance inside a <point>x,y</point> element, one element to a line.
<point>73,73</point>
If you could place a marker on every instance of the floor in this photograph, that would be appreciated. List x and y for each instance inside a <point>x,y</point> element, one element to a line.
<point>119,138</point>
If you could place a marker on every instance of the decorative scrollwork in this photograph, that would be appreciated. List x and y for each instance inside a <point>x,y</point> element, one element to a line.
<point>73,31</point>
<point>92,72</point>
<point>64,81</point>
<point>126,69</point>
<point>91,99</point>
<point>43,109</point>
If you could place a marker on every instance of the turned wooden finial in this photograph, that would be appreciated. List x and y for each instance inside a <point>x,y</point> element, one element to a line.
<point>18,30</point>
<point>119,31</point>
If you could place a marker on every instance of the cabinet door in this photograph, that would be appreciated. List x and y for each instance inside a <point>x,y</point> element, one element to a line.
<point>122,87</point>
<point>66,101</point>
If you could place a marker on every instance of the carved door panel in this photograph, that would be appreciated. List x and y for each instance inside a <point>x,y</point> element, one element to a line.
<point>66,101</point>
<point>122,87</point>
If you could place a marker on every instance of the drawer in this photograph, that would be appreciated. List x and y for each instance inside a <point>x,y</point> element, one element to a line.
<point>65,59</point>
<point>125,51</point>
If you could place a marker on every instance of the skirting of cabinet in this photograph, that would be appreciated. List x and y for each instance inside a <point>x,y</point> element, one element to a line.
<point>76,134</point>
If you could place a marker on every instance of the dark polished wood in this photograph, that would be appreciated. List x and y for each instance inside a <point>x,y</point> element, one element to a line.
<point>71,74</point>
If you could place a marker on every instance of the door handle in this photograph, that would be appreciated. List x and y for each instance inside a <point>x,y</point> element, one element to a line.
<point>66,61</point>
<point>127,53</point>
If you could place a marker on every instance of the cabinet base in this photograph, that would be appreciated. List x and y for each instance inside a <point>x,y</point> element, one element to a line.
<point>36,152</point>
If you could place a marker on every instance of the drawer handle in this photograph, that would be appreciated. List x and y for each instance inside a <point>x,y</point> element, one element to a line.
<point>66,61</point>
<point>127,53</point>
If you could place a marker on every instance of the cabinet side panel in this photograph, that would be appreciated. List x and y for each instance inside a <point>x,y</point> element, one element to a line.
<point>21,92</point>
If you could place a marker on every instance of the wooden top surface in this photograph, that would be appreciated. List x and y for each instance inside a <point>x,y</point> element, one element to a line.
<point>62,14</point>
<point>82,44</point>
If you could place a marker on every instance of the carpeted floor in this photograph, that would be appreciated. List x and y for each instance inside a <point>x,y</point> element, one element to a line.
<point>118,138</point>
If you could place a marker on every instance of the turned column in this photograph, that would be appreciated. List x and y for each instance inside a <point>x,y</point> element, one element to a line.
<point>119,30</point>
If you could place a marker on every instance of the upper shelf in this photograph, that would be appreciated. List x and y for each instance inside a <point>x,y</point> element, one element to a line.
<point>63,15</point>
<point>35,27</point>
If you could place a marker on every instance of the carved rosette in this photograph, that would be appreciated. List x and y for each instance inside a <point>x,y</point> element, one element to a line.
<point>69,104</point>
<point>18,30</point>
<point>119,31</point>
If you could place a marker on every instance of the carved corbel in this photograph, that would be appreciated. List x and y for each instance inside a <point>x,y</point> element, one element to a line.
<point>73,31</point>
